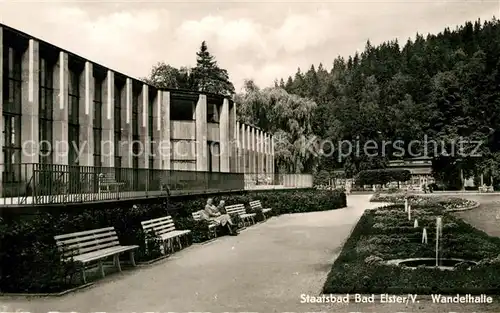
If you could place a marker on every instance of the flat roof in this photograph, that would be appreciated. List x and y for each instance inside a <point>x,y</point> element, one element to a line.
<point>185,91</point>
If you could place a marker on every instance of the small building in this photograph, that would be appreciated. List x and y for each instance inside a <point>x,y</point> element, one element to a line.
<point>419,167</point>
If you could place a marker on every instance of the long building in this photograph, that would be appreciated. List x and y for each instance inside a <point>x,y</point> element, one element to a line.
<point>67,113</point>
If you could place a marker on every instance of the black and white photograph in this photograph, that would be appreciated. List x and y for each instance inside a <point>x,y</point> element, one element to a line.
<point>250,156</point>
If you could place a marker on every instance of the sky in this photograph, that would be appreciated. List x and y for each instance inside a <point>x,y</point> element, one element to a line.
<point>259,40</point>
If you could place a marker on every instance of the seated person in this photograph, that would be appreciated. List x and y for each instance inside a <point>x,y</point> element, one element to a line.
<point>222,208</point>
<point>223,220</point>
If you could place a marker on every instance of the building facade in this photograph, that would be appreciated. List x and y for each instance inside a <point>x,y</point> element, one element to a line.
<point>420,169</point>
<point>61,109</point>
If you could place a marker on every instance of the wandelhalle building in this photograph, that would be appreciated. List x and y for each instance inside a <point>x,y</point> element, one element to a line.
<point>50,96</point>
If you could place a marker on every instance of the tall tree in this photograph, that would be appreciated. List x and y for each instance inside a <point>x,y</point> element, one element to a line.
<point>209,77</point>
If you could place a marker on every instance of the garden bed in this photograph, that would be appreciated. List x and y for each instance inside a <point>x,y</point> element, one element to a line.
<point>447,203</point>
<point>28,242</point>
<point>386,233</point>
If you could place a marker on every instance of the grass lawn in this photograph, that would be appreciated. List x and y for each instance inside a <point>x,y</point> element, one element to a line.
<point>386,233</point>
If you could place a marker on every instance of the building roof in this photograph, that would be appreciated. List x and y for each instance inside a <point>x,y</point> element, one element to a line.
<point>185,91</point>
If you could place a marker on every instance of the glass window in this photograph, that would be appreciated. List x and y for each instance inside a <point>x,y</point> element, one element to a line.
<point>182,109</point>
<point>73,112</point>
<point>117,125</point>
<point>46,98</point>
<point>98,82</point>
<point>12,113</point>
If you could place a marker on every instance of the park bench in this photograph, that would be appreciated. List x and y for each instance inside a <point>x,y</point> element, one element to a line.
<point>258,205</point>
<point>107,180</point>
<point>486,189</point>
<point>164,229</point>
<point>93,245</point>
<point>212,225</point>
<point>239,209</point>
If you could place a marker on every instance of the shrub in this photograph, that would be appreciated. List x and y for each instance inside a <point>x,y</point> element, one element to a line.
<point>382,176</point>
<point>27,242</point>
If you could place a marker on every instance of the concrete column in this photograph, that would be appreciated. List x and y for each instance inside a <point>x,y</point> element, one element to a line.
<point>2,139</point>
<point>249,149</point>
<point>233,134</point>
<point>126,144</point>
<point>258,169</point>
<point>30,105</point>
<point>273,170</point>
<point>201,134</point>
<point>60,113</point>
<point>254,150</point>
<point>108,125</point>
<point>156,130</point>
<point>242,151</point>
<point>265,157</point>
<point>86,116</point>
<point>224,143</point>
<point>261,151</point>
<point>238,147</point>
<point>143,127</point>
<point>164,146</point>
<point>268,154</point>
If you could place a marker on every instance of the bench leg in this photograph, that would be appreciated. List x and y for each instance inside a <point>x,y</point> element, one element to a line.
<point>253,221</point>
<point>117,262</point>
<point>84,277</point>
<point>101,268</point>
<point>132,259</point>
<point>180,242</point>
<point>165,247</point>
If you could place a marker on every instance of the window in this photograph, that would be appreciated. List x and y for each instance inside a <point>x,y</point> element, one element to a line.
<point>118,125</point>
<point>135,129</point>
<point>98,81</point>
<point>73,112</point>
<point>182,109</point>
<point>12,113</point>
<point>46,98</point>
<point>212,113</point>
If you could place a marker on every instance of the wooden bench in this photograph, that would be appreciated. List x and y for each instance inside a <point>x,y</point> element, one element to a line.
<point>93,245</point>
<point>258,205</point>
<point>108,179</point>
<point>212,225</point>
<point>164,229</point>
<point>239,209</point>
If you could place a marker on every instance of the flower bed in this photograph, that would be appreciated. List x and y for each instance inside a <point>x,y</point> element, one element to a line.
<point>386,233</point>
<point>447,203</point>
<point>27,244</point>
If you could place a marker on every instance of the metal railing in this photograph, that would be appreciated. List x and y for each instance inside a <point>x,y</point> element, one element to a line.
<point>38,184</point>
<point>260,181</point>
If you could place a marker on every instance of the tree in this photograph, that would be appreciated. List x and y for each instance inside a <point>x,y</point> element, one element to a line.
<point>208,76</point>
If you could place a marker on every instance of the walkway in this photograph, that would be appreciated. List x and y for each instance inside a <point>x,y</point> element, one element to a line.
<point>265,269</point>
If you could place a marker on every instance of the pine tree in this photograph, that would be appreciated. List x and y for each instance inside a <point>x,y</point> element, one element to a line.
<point>209,77</point>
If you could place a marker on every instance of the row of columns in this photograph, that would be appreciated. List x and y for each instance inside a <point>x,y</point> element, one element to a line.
<point>255,150</point>
<point>243,148</point>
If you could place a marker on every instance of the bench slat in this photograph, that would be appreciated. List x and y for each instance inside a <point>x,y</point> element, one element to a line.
<point>94,242</point>
<point>85,238</point>
<point>155,220</point>
<point>95,248</point>
<point>83,233</point>
<point>163,229</point>
<point>236,209</point>
<point>96,255</point>
<point>157,224</point>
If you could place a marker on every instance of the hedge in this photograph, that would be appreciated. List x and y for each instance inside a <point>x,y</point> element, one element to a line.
<point>382,176</point>
<point>30,261</point>
<point>385,234</point>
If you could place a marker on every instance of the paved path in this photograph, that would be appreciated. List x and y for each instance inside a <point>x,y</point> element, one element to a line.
<point>265,269</point>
